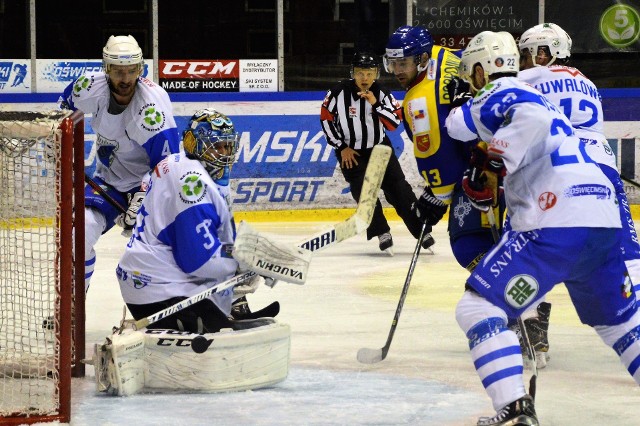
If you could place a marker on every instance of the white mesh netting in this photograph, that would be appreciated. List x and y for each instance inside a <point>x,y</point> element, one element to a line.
<point>29,195</point>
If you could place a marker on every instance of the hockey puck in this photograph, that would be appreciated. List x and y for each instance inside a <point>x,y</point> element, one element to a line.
<point>200,344</point>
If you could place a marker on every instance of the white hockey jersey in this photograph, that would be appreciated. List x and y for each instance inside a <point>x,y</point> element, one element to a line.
<point>550,181</point>
<point>182,239</point>
<point>131,143</point>
<point>580,101</point>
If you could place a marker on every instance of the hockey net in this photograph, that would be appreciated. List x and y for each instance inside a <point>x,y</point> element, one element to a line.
<point>41,310</point>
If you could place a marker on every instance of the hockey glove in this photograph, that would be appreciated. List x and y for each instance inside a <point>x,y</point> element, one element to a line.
<point>127,220</point>
<point>474,184</point>
<point>428,208</point>
<point>481,159</point>
<point>459,92</point>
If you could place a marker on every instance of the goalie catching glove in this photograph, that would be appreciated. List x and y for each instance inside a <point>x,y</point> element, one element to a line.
<point>127,220</point>
<point>481,181</point>
<point>428,208</point>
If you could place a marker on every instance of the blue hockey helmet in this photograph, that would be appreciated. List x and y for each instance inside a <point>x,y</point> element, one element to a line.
<point>211,138</point>
<point>408,41</point>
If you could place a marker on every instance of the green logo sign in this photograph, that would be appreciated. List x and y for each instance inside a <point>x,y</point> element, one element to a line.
<point>192,186</point>
<point>620,25</point>
<point>520,290</point>
<point>83,83</point>
<point>192,189</point>
<point>152,116</point>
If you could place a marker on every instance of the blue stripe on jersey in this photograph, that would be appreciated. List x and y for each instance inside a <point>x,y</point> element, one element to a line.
<point>493,110</point>
<point>468,119</point>
<point>198,238</point>
<point>67,96</point>
<point>161,145</point>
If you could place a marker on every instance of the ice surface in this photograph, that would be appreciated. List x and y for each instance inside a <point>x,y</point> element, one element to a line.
<point>348,303</point>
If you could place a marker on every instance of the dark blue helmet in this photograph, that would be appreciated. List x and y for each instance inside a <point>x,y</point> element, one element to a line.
<point>408,41</point>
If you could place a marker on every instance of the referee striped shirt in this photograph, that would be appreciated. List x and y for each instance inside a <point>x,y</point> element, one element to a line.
<point>350,121</point>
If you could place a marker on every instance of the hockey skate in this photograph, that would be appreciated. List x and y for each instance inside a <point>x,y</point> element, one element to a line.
<point>386,243</point>
<point>519,413</point>
<point>240,310</point>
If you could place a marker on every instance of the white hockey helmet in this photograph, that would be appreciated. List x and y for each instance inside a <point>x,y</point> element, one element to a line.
<point>121,50</point>
<point>496,52</point>
<point>546,35</point>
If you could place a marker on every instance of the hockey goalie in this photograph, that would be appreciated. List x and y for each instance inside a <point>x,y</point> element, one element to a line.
<point>181,271</point>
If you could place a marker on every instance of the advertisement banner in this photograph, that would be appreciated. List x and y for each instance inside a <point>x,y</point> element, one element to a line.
<point>284,162</point>
<point>53,75</point>
<point>453,23</point>
<point>602,26</point>
<point>219,75</point>
<point>15,76</point>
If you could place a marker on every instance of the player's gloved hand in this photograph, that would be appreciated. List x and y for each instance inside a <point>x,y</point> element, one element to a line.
<point>459,92</point>
<point>247,287</point>
<point>483,160</point>
<point>479,193</point>
<point>428,208</point>
<point>127,220</point>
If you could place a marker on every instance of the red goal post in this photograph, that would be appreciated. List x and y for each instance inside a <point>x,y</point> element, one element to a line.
<point>41,264</point>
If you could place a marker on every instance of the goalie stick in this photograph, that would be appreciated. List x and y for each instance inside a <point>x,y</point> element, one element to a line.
<point>94,185</point>
<point>238,279</point>
<point>361,219</point>
<point>371,356</point>
<point>531,353</point>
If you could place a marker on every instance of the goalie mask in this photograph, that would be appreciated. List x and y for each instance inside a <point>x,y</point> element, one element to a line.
<point>212,139</point>
<point>496,52</point>
<point>407,42</point>
<point>548,39</point>
<point>121,50</point>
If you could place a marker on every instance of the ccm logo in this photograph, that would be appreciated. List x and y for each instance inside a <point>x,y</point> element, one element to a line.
<point>200,69</point>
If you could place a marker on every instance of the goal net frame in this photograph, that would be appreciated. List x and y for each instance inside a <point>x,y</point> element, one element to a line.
<point>66,131</point>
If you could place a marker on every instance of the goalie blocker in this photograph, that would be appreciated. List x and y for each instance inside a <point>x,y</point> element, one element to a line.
<point>131,362</point>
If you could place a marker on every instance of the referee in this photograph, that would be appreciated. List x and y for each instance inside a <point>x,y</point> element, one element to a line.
<point>355,115</point>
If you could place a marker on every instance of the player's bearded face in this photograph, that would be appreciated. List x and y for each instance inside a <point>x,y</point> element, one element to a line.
<point>405,70</point>
<point>123,79</point>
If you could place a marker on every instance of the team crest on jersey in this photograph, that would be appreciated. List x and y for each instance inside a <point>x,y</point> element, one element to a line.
<point>520,290</point>
<point>192,189</point>
<point>82,83</point>
<point>140,280</point>
<point>547,200</point>
<point>153,118</point>
<point>423,143</point>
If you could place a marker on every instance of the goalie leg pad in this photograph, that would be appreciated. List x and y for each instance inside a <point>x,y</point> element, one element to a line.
<point>119,363</point>
<point>217,362</point>
<point>254,355</point>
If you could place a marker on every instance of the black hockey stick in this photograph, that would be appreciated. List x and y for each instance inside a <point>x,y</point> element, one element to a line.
<point>371,356</point>
<point>531,353</point>
<point>631,181</point>
<point>94,185</point>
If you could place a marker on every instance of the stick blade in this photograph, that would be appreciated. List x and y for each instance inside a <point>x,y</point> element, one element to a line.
<point>370,356</point>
